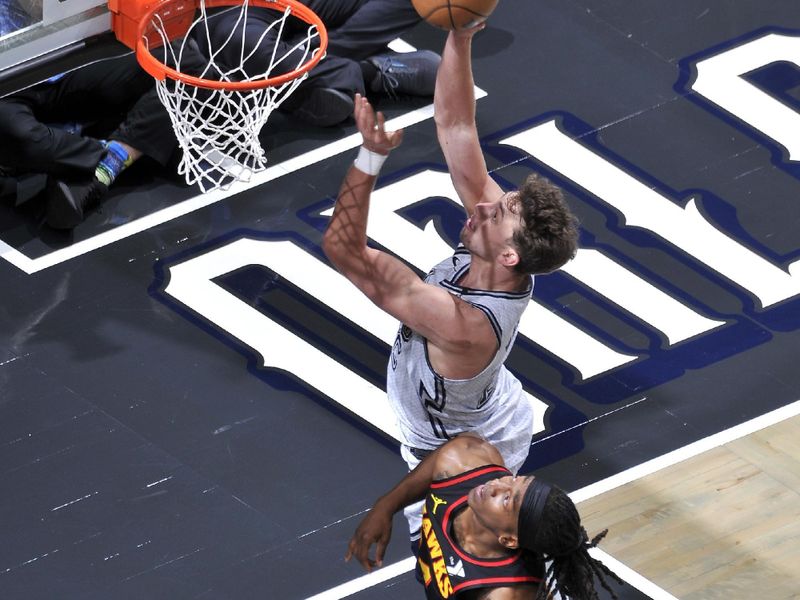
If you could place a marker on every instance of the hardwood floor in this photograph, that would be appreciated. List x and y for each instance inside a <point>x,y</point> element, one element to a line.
<point>724,524</point>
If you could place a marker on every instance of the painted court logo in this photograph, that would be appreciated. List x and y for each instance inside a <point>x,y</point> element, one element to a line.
<point>645,326</point>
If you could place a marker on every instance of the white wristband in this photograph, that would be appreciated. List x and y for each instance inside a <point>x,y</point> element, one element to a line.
<point>369,162</point>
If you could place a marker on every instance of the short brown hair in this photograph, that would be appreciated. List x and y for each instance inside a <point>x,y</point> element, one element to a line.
<point>548,236</point>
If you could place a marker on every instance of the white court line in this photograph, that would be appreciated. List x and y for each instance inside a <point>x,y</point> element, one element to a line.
<point>33,265</point>
<point>367,581</point>
<point>690,451</point>
<point>630,576</point>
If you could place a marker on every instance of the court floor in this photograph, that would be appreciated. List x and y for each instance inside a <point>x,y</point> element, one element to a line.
<point>192,400</point>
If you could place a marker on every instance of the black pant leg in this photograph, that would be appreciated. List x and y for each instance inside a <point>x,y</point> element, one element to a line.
<point>333,71</point>
<point>371,27</point>
<point>147,125</point>
<point>105,89</point>
<point>231,38</point>
<point>335,13</point>
<point>338,73</point>
<point>357,29</point>
<point>148,128</point>
<point>31,146</point>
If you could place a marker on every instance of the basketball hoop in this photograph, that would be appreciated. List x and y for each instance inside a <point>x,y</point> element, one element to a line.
<point>217,114</point>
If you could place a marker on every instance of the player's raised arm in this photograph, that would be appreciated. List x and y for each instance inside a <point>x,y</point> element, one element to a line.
<point>387,281</point>
<point>454,113</point>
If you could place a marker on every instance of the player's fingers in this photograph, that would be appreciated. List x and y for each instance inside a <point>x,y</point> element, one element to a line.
<point>356,548</point>
<point>396,137</point>
<point>380,549</point>
<point>361,551</point>
<point>380,121</point>
<point>350,550</point>
<point>363,114</point>
<point>366,563</point>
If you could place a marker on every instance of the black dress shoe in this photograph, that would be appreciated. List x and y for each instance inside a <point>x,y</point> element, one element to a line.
<point>67,203</point>
<point>319,106</point>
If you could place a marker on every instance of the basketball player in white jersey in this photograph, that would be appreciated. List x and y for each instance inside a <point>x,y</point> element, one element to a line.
<point>446,372</point>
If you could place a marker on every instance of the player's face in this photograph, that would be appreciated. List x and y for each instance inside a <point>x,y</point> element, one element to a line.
<point>488,231</point>
<point>496,503</point>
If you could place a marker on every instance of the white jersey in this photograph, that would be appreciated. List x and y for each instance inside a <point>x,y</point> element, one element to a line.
<point>432,409</point>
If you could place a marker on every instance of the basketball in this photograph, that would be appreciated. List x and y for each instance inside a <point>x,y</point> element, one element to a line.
<point>454,14</point>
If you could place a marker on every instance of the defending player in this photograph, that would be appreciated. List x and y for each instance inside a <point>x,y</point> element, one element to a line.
<point>485,531</point>
<point>446,372</point>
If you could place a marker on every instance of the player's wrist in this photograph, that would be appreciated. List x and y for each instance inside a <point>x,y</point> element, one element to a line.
<point>369,161</point>
<point>390,504</point>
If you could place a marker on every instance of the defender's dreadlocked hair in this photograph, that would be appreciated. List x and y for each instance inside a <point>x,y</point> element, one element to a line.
<point>557,533</point>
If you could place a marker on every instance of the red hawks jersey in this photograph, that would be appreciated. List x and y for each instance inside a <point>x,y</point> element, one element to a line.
<point>443,566</point>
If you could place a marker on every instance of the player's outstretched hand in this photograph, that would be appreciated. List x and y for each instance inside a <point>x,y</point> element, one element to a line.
<point>372,124</point>
<point>375,528</point>
<point>468,32</point>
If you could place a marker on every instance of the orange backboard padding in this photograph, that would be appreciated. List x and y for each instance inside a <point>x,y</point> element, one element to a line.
<point>126,17</point>
<point>130,19</point>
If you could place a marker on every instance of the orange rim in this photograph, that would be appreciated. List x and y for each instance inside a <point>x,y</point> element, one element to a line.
<point>161,71</point>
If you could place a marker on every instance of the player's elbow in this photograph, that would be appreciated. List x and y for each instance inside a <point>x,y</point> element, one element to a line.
<point>445,123</point>
<point>452,125</point>
<point>374,295</point>
<point>336,249</point>
<point>330,246</point>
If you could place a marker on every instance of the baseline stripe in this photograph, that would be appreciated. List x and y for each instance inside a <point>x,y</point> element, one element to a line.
<point>367,581</point>
<point>690,451</point>
<point>34,265</point>
<point>631,577</point>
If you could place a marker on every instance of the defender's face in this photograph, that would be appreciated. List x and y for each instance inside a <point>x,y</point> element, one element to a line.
<point>488,230</point>
<point>496,503</point>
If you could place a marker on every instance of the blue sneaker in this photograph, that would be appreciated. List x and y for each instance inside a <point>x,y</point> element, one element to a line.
<point>114,161</point>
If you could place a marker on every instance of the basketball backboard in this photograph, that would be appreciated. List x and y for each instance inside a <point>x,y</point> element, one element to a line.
<point>39,38</point>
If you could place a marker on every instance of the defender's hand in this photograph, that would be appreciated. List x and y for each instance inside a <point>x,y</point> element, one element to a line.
<point>371,124</point>
<point>375,528</point>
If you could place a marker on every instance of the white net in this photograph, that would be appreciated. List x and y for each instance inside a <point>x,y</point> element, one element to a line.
<point>218,129</point>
